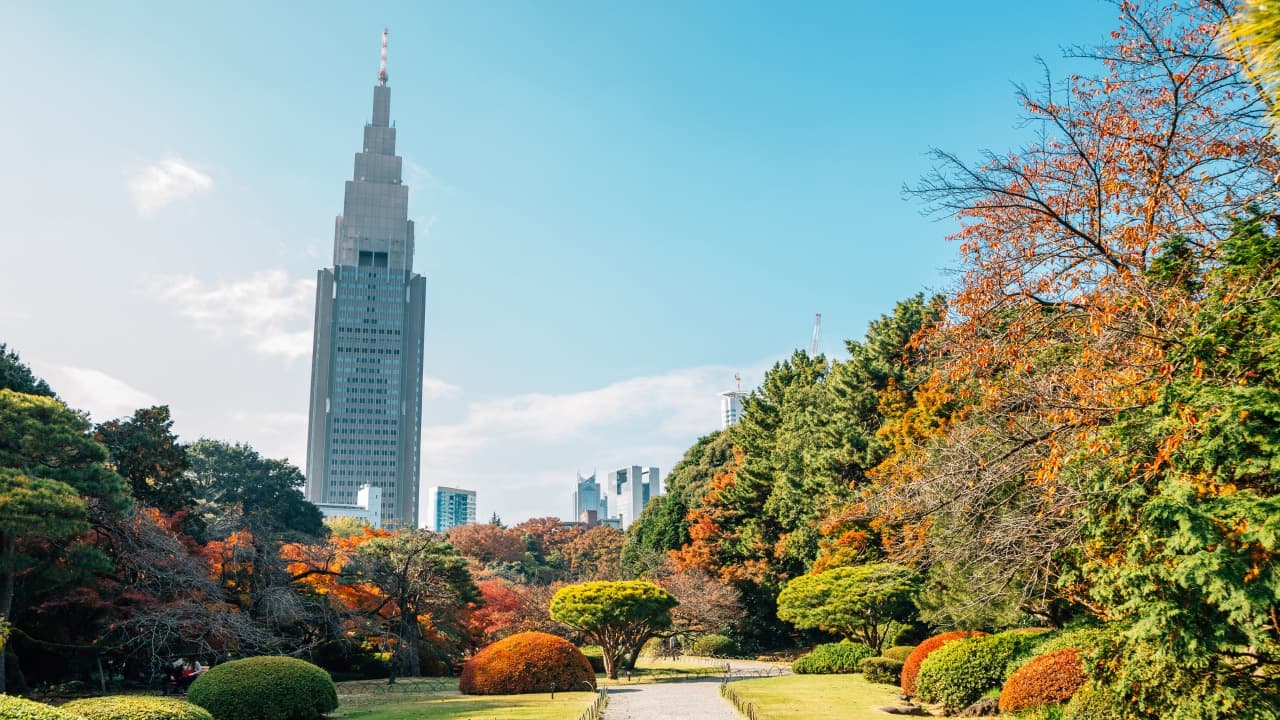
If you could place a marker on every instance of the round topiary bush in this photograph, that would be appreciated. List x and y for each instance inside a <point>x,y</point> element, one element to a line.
<point>911,666</point>
<point>958,673</point>
<point>715,646</point>
<point>833,658</point>
<point>1048,679</point>
<point>526,662</point>
<point>885,670</point>
<point>136,707</point>
<point>899,652</point>
<point>265,688</point>
<point>16,708</point>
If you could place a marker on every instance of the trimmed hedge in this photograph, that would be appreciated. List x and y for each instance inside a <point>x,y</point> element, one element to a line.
<point>595,656</point>
<point>833,658</point>
<point>899,652</point>
<point>1049,679</point>
<point>265,688</point>
<point>715,646</point>
<point>958,673</point>
<point>16,708</point>
<point>136,707</point>
<point>884,670</point>
<point>1094,702</point>
<point>911,666</point>
<point>526,662</point>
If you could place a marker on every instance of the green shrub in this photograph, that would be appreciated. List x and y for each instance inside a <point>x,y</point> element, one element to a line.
<point>885,670</point>
<point>898,652</point>
<point>136,707</point>
<point>1094,702</point>
<point>958,673</point>
<point>833,658</point>
<point>265,688</point>
<point>526,662</point>
<point>595,656</point>
<point>15,708</point>
<point>716,646</point>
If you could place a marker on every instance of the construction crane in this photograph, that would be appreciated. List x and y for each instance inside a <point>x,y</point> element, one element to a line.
<point>817,326</point>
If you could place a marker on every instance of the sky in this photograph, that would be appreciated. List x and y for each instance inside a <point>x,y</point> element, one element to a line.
<point>618,205</point>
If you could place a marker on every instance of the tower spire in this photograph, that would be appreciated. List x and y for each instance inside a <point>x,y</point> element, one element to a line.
<point>382,63</point>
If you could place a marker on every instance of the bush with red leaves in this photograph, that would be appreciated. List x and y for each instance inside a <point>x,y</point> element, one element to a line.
<point>528,662</point>
<point>911,667</point>
<point>1045,680</point>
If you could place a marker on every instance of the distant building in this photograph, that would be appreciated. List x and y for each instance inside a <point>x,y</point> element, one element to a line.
<point>731,404</point>
<point>632,488</point>
<point>450,507</point>
<point>365,421</point>
<point>368,507</point>
<point>589,498</point>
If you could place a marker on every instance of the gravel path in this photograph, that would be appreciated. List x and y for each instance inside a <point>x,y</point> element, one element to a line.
<point>680,700</point>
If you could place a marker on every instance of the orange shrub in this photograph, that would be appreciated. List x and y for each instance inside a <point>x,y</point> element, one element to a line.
<point>911,667</point>
<point>1045,680</point>
<point>527,662</point>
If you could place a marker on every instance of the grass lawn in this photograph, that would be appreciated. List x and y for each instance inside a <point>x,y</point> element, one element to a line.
<point>817,697</point>
<point>649,670</point>
<point>437,700</point>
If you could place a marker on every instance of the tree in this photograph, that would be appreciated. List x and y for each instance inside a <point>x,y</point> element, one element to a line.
<point>425,587</point>
<point>706,604</point>
<point>16,376</point>
<point>486,543</point>
<point>861,603</point>
<point>146,452</point>
<point>594,554</point>
<point>616,615</point>
<point>266,493</point>
<point>51,469</point>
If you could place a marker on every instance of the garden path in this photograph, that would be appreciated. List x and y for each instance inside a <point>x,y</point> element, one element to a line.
<point>697,699</point>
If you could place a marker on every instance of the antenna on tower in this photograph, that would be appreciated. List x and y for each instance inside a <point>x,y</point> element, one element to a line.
<point>817,326</point>
<point>382,64</point>
<point>737,377</point>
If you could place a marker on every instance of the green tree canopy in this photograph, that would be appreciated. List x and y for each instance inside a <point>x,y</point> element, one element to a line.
<point>16,376</point>
<point>859,603</point>
<point>229,478</point>
<point>616,615</point>
<point>147,454</point>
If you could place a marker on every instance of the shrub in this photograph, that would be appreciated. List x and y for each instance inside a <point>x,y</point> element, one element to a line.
<point>265,688</point>
<point>885,670</point>
<point>833,658</point>
<point>526,662</point>
<point>15,708</point>
<point>595,656</point>
<point>1094,702</point>
<point>1049,679</point>
<point>911,666</point>
<point>898,652</point>
<point>136,707</point>
<point>716,646</point>
<point>959,673</point>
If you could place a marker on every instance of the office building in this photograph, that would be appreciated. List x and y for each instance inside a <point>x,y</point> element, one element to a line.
<point>632,488</point>
<point>367,507</point>
<point>589,498</point>
<point>731,405</point>
<point>366,370</point>
<point>450,507</point>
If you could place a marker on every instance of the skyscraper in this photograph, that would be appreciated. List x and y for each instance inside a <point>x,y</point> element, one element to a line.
<point>588,498</point>
<point>731,405</point>
<point>632,488</point>
<point>450,507</point>
<point>366,366</point>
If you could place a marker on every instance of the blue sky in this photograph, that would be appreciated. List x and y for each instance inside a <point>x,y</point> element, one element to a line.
<point>619,205</point>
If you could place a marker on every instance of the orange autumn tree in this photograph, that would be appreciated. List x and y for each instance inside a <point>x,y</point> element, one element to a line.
<point>1058,324</point>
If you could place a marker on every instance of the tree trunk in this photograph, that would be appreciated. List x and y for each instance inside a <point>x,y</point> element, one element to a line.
<point>635,652</point>
<point>9,551</point>
<point>610,657</point>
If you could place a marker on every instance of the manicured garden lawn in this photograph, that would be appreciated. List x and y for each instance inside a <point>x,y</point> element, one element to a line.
<point>817,697</point>
<point>412,700</point>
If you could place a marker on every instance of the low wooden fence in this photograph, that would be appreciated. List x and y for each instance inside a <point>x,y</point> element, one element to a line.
<point>596,710</point>
<point>746,707</point>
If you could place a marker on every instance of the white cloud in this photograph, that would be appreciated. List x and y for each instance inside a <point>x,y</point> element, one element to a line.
<point>158,185</point>
<point>436,388</point>
<point>269,309</point>
<point>104,396</point>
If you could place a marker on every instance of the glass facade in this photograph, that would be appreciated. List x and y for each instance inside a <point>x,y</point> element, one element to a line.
<point>366,375</point>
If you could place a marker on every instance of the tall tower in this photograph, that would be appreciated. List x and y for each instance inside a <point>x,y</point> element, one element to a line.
<point>366,365</point>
